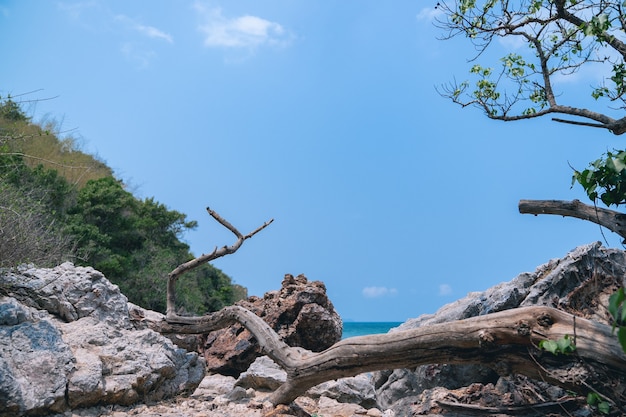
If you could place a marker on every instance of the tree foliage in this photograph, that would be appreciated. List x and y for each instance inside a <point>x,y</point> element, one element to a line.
<point>52,211</point>
<point>605,179</point>
<point>553,38</point>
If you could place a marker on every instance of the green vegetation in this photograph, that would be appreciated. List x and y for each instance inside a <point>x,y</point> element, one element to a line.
<point>554,38</point>
<point>595,400</point>
<point>605,179</point>
<point>617,309</point>
<point>58,203</point>
<point>564,345</point>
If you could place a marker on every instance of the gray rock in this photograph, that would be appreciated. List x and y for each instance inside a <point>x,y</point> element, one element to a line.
<point>590,271</point>
<point>35,362</point>
<point>66,341</point>
<point>237,394</point>
<point>356,390</point>
<point>263,374</point>
<point>216,384</point>
<point>69,293</point>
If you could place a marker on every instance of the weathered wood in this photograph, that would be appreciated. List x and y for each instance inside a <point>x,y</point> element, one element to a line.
<point>216,253</point>
<point>505,341</point>
<point>612,220</point>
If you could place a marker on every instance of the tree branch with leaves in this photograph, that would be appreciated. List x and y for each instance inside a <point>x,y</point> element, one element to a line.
<point>557,38</point>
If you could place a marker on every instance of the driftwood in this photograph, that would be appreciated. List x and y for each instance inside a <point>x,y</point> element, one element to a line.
<point>217,253</point>
<point>612,220</point>
<point>506,341</point>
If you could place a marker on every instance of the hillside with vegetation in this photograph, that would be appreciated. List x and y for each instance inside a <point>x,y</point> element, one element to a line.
<point>59,204</point>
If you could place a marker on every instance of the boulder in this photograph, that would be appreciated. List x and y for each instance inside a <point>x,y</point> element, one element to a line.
<point>35,361</point>
<point>355,390</point>
<point>300,312</point>
<point>580,283</point>
<point>66,341</point>
<point>263,374</point>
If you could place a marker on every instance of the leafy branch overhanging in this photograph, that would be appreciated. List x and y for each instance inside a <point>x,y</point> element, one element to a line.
<point>561,36</point>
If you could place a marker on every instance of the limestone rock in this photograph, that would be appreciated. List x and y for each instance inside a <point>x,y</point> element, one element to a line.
<point>66,341</point>
<point>356,390</point>
<point>579,283</point>
<point>300,312</point>
<point>35,362</point>
<point>69,293</point>
<point>263,374</point>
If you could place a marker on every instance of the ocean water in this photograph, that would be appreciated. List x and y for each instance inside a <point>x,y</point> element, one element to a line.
<point>358,328</point>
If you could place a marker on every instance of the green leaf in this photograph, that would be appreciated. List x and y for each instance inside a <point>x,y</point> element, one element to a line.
<point>621,336</point>
<point>616,300</point>
<point>550,346</point>
<point>566,345</point>
<point>604,407</point>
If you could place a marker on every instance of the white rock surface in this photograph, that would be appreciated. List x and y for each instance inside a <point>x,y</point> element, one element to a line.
<point>66,341</point>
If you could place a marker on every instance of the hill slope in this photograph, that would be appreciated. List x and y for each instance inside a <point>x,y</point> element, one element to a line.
<point>58,203</point>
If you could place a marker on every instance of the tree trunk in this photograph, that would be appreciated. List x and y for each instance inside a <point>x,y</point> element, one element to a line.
<point>506,341</point>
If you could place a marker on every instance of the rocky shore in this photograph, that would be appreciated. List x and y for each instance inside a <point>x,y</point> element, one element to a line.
<point>218,396</point>
<point>72,346</point>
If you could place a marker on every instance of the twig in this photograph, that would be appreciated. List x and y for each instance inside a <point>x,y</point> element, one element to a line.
<point>521,409</point>
<point>217,253</point>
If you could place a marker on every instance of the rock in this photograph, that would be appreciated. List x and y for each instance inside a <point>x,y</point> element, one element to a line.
<point>300,312</point>
<point>579,283</point>
<point>66,341</point>
<point>331,407</point>
<point>237,394</point>
<point>35,362</point>
<point>216,384</point>
<point>69,293</point>
<point>263,374</point>
<point>356,390</point>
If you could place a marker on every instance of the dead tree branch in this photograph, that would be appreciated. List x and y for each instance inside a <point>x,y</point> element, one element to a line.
<point>505,341</point>
<point>217,253</point>
<point>612,220</point>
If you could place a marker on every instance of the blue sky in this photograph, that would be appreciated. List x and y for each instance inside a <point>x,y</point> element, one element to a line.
<point>322,115</point>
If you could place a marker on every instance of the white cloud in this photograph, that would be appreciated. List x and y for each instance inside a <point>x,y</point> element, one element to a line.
<point>137,55</point>
<point>375,292</point>
<point>429,14</point>
<point>240,32</point>
<point>445,289</point>
<point>153,32</point>
<point>149,31</point>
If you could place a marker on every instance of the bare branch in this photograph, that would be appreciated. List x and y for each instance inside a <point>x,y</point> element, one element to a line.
<point>505,341</point>
<point>217,253</point>
<point>612,220</point>
<point>578,123</point>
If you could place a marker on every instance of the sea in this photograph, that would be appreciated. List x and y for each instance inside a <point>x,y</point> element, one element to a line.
<point>359,328</point>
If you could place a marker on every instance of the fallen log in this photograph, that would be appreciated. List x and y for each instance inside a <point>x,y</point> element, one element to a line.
<point>507,341</point>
